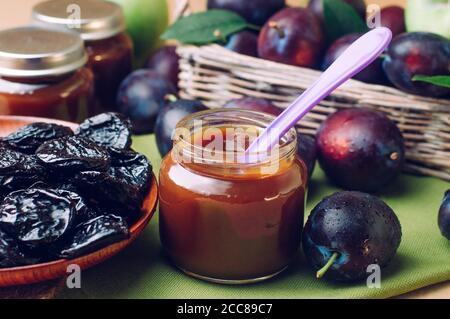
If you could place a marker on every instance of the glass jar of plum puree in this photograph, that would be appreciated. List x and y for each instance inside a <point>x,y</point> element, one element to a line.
<point>101,24</point>
<point>42,74</point>
<point>224,219</point>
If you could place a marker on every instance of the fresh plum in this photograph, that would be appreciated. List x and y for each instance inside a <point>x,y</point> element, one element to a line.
<point>244,42</point>
<point>306,149</point>
<point>165,61</point>
<point>417,53</point>
<point>360,149</point>
<point>292,36</point>
<point>348,231</point>
<point>254,11</point>
<point>141,96</point>
<point>168,119</point>
<point>253,104</point>
<point>371,74</point>
<point>444,216</point>
<point>393,17</point>
<point>316,6</point>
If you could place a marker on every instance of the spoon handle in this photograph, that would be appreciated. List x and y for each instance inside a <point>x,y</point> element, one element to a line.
<point>358,55</point>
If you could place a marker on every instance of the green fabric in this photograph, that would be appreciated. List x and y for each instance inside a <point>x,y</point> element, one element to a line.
<point>142,271</point>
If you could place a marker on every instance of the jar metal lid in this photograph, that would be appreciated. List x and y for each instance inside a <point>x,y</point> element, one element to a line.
<point>31,52</point>
<point>92,19</point>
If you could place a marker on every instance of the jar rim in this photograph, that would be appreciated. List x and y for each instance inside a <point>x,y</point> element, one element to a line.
<point>233,117</point>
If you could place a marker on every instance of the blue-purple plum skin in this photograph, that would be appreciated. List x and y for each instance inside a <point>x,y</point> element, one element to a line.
<point>360,149</point>
<point>444,216</point>
<point>253,11</point>
<point>165,61</point>
<point>360,227</point>
<point>244,42</point>
<point>418,53</point>
<point>306,150</point>
<point>141,96</point>
<point>168,119</point>
<point>373,73</point>
<point>293,36</point>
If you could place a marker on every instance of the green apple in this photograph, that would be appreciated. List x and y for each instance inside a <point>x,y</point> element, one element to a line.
<point>146,21</point>
<point>428,16</point>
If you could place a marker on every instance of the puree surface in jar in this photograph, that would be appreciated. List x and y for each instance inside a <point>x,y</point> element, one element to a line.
<point>226,220</point>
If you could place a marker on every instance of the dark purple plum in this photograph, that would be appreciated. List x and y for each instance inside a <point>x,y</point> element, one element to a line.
<point>371,74</point>
<point>393,17</point>
<point>254,104</point>
<point>306,149</point>
<point>316,6</point>
<point>244,42</point>
<point>292,36</point>
<point>348,231</point>
<point>417,53</point>
<point>444,216</point>
<point>360,149</point>
<point>168,119</point>
<point>165,61</point>
<point>141,96</point>
<point>254,11</point>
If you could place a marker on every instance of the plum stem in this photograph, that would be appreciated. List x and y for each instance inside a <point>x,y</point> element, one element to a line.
<point>253,27</point>
<point>325,268</point>
<point>274,25</point>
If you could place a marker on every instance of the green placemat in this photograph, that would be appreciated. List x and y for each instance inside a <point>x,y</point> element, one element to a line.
<point>142,270</point>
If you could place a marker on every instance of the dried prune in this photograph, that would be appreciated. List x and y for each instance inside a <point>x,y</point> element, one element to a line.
<point>66,185</point>
<point>38,217</point>
<point>123,186</point>
<point>10,161</point>
<point>132,167</point>
<point>64,194</point>
<point>82,213</point>
<point>73,154</point>
<point>107,129</point>
<point>24,171</point>
<point>68,190</point>
<point>10,253</point>
<point>30,137</point>
<point>97,233</point>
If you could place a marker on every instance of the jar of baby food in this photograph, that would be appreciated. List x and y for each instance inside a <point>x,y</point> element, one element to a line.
<point>224,218</point>
<point>42,74</point>
<point>101,24</point>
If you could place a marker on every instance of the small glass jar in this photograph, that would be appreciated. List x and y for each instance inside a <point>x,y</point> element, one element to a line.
<point>42,74</point>
<point>223,219</point>
<point>101,25</point>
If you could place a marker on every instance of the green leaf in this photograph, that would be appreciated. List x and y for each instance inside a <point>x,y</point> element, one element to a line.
<point>205,27</point>
<point>340,19</point>
<point>439,80</point>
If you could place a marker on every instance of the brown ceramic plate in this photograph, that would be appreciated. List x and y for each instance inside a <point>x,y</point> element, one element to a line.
<point>58,268</point>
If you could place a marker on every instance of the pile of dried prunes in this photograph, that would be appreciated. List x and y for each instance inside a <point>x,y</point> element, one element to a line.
<point>64,194</point>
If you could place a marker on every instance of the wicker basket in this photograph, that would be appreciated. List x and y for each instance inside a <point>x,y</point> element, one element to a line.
<point>215,75</point>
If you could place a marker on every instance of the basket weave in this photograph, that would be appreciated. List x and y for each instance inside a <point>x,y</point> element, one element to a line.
<point>214,75</point>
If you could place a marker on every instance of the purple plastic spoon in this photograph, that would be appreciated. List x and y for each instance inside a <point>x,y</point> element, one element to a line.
<point>357,56</point>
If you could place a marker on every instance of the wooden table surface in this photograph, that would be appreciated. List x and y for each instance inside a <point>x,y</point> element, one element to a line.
<point>17,12</point>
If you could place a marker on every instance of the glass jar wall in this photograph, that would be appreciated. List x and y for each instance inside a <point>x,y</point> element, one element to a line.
<point>227,220</point>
